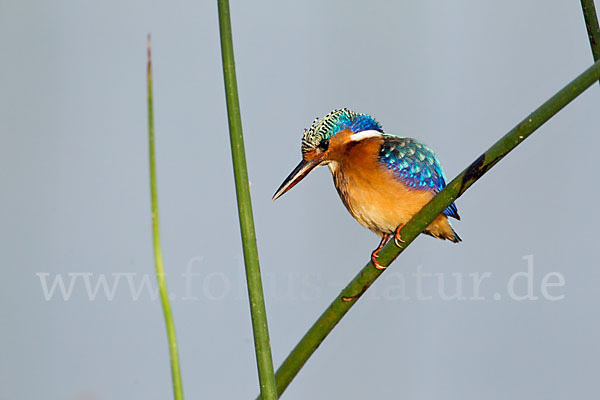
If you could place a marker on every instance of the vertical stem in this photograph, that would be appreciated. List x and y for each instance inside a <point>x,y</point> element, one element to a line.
<point>160,272</point>
<point>593,29</point>
<point>255,291</point>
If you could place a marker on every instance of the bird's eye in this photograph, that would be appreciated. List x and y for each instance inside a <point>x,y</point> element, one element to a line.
<point>324,145</point>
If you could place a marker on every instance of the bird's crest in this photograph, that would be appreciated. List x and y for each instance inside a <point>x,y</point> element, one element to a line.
<point>332,123</point>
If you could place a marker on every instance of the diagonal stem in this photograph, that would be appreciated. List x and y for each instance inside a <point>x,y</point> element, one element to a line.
<point>255,291</point>
<point>160,270</point>
<point>365,278</point>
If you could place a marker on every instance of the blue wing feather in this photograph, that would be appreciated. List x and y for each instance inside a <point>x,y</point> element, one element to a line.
<point>416,165</point>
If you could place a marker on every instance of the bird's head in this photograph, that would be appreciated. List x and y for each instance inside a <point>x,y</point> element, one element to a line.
<point>326,139</point>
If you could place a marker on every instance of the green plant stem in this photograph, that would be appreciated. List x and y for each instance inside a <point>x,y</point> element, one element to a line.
<point>365,278</point>
<point>255,291</point>
<point>160,271</point>
<point>593,29</point>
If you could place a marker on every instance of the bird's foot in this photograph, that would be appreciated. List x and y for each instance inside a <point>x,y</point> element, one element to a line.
<point>374,255</point>
<point>375,252</point>
<point>397,237</point>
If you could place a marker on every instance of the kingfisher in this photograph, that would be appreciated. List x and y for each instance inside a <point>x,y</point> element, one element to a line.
<point>383,180</point>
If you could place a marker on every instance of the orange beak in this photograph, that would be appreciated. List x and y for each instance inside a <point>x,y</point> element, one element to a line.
<point>296,176</point>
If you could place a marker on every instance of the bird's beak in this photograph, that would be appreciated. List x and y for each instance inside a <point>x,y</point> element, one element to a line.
<point>296,176</point>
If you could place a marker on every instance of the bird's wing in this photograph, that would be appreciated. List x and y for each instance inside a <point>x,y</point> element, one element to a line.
<point>416,165</point>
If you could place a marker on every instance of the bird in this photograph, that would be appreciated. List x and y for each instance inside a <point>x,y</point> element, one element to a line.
<point>383,180</point>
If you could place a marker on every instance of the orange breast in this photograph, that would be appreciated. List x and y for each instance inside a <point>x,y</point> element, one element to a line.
<point>375,198</point>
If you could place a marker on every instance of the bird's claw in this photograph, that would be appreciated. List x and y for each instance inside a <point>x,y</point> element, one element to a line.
<point>397,237</point>
<point>375,253</point>
<point>375,263</point>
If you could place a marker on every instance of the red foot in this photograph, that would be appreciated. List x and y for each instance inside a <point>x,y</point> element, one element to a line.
<point>375,263</point>
<point>375,252</point>
<point>397,237</point>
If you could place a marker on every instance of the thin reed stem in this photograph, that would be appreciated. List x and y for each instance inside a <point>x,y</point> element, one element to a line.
<point>593,29</point>
<point>160,271</point>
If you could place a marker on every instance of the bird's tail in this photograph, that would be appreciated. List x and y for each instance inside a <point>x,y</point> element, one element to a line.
<point>442,229</point>
<point>455,237</point>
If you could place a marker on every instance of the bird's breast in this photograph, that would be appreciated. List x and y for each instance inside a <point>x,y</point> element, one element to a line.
<point>371,193</point>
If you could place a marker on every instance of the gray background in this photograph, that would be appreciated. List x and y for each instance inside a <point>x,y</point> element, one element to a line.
<point>456,75</point>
